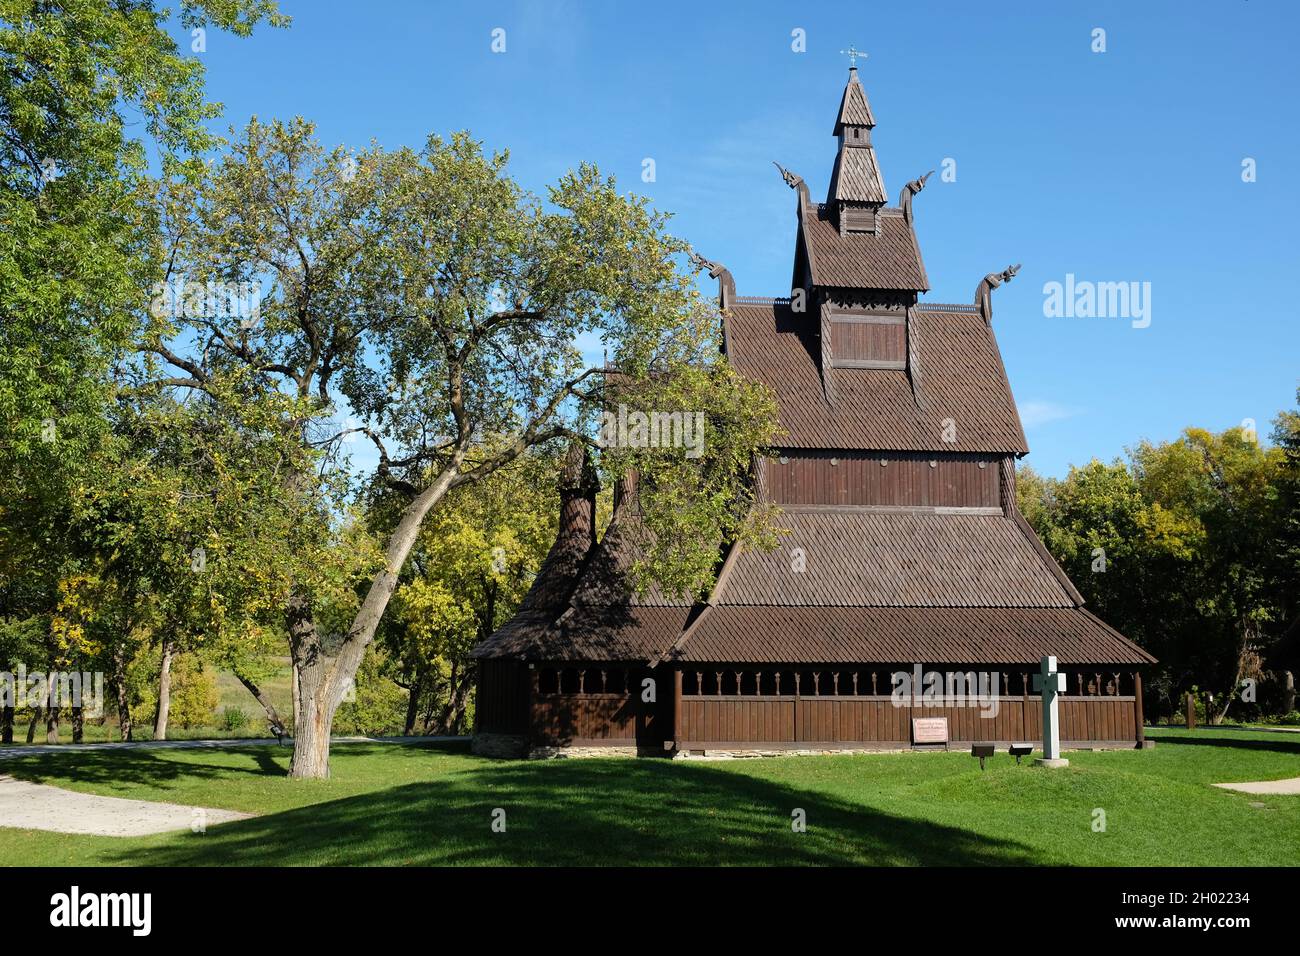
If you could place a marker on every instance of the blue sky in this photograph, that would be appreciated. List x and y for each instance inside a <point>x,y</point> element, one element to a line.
<point>1117,166</point>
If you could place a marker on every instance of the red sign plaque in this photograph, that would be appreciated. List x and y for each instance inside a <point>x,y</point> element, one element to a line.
<point>929,730</point>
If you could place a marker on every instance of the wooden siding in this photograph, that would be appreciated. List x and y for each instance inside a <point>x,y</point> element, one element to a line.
<point>856,478</point>
<point>759,721</point>
<point>501,702</point>
<point>881,340</point>
<point>619,718</point>
<point>567,718</point>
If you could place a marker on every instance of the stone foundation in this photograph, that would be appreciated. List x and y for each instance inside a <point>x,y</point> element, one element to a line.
<point>499,745</point>
<point>547,753</point>
<point>516,747</point>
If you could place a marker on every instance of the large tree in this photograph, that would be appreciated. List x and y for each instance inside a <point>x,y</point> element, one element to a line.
<point>424,302</point>
<point>1178,548</point>
<point>91,93</point>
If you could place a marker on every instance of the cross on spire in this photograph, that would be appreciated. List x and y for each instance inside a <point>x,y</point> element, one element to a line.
<point>853,53</point>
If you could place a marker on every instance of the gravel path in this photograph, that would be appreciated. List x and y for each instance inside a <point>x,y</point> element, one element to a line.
<point>35,806</point>
<point>1289,787</point>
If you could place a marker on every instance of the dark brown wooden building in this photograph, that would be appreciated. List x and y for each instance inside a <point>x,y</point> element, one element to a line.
<point>906,554</point>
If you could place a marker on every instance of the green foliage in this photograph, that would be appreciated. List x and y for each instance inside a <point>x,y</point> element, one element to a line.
<point>1195,540</point>
<point>194,692</point>
<point>233,719</point>
<point>693,499</point>
<point>378,704</point>
<point>425,291</point>
<point>90,92</point>
<point>475,558</point>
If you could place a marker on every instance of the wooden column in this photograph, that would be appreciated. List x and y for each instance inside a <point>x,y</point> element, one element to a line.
<point>677,708</point>
<point>796,706</point>
<point>1024,709</point>
<point>1140,724</point>
<point>534,691</point>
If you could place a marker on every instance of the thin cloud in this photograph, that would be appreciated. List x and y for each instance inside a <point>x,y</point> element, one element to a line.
<point>1035,412</point>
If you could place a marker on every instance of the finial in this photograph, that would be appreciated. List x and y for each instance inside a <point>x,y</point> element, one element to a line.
<point>792,179</point>
<point>726,284</point>
<point>853,53</point>
<point>983,294</point>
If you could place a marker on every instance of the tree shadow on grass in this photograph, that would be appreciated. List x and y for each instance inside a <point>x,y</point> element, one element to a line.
<point>575,813</point>
<point>1280,745</point>
<point>127,768</point>
<point>152,767</point>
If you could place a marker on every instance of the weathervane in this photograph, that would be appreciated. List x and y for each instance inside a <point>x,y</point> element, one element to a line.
<point>853,53</point>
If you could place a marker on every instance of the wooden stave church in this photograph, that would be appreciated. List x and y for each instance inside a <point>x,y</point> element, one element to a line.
<point>906,548</point>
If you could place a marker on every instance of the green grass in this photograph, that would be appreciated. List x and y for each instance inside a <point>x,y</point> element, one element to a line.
<point>388,804</point>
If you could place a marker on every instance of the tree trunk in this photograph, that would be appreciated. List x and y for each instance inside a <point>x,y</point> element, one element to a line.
<point>430,701</point>
<point>78,725</point>
<point>39,709</point>
<point>454,711</point>
<point>313,712</point>
<point>460,700</point>
<point>119,689</point>
<point>293,692</point>
<point>321,685</point>
<point>413,702</point>
<point>311,733</point>
<point>1288,693</point>
<point>272,715</point>
<point>52,724</point>
<point>164,690</point>
<point>1243,648</point>
<point>7,724</point>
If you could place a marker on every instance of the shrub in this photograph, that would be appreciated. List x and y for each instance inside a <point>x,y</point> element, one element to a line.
<point>194,692</point>
<point>233,720</point>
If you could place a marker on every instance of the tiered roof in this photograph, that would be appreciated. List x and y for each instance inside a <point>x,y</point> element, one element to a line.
<point>882,584</point>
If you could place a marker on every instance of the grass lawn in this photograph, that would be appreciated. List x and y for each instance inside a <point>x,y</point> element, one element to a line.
<point>388,804</point>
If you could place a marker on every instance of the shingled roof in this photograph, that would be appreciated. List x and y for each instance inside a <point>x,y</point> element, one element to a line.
<point>889,585</point>
<point>889,260</point>
<point>857,635</point>
<point>861,557</point>
<point>962,379</point>
<point>856,177</point>
<point>854,108</point>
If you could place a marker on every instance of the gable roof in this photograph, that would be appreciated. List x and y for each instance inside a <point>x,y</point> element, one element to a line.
<point>962,379</point>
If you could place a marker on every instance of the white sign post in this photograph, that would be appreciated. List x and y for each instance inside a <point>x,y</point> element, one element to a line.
<point>1050,683</point>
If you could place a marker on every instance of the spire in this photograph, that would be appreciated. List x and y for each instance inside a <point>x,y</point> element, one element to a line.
<point>854,108</point>
<point>857,190</point>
